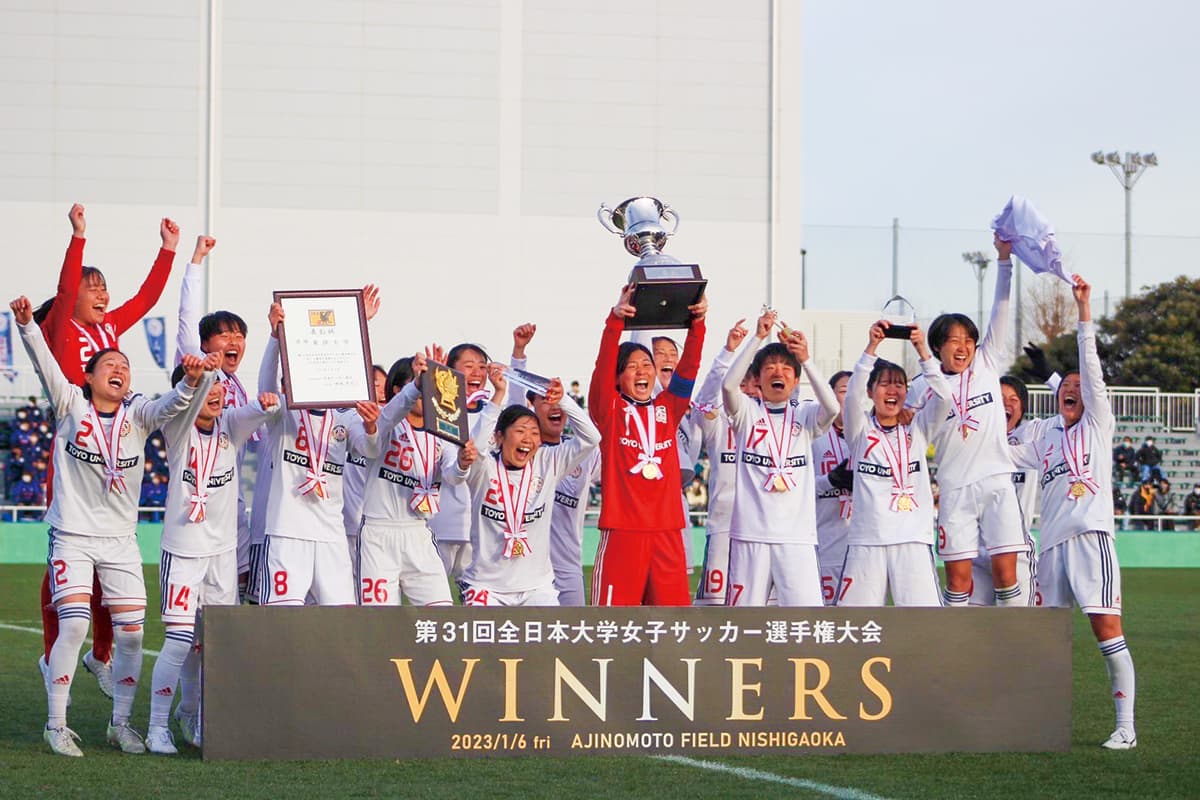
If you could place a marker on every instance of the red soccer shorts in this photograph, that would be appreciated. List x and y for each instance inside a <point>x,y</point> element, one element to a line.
<point>635,568</point>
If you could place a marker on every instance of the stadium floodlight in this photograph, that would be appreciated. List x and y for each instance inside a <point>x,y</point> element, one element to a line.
<point>1127,173</point>
<point>979,263</point>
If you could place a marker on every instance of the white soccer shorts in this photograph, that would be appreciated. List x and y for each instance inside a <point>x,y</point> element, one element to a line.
<point>483,596</point>
<point>981,516</point>
<point>1083,568</point>
<point>757,568</point>
<point>714,573</point>
<point>74,558</point>
<point>456,556</point>
<point>906,569</point>
<point>400,558</point>
<point>294,569</point>
<point>189,583</point>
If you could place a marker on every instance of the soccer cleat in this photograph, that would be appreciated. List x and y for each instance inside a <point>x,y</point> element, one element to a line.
<point>44,668</point>
<point>125,738</point>
<point>1121,739</point>
<point>62,741</point>
<point>102,671</point>
<point>159,740</point>
<point>189,730</point>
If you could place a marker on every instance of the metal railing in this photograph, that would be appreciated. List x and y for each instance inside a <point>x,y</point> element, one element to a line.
<point>1168,411</point>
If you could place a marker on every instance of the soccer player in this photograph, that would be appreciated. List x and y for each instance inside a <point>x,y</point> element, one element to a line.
<point>571,492</point>
<point>76,324</point>
<point>773,527</point>
<point>512,479</point>
<point>718,440</point>
<point>640,558</point>
<point>304,543</point>
<point>199,562</point>
<point>835,498</point>
<point>1077,559</point>
<point>396,552</point>
<point>100,435</point>
<point>452,525</point>
<point>978,505</point>
<point>1016,399</point>
<point>889,547</point>
<point>354,479</point>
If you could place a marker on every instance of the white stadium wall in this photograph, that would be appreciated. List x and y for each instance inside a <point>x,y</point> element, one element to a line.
<point>454,153</point>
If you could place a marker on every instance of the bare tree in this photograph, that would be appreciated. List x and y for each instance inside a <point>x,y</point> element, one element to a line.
<point>1049,305</point>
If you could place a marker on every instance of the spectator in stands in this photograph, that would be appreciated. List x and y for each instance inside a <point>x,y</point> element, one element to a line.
<point>27,492</point>
<point>1191,507</point>
<point>40,469</point>
<point>576,395</point>
<point>1120,507</point>
<point>1164,505</point>
<point>32,412</point>
<point>1149,458</point>
<point>1141,503</point>
<point>1124,458</point>
<point>15,467</point>
<point>154,493</point>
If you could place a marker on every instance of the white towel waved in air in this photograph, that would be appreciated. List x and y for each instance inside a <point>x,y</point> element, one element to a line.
<point>1031,236</point>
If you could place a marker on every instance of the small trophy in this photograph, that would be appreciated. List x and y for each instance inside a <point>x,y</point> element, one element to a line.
<point>444,403</point>
<point>902,316</point>
<point>664,286</point>
<point>527,380</point>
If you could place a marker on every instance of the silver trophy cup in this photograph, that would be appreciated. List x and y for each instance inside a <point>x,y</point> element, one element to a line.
<point>664,287</point>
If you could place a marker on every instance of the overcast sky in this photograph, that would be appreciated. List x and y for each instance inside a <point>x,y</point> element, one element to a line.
<point>935,112</point>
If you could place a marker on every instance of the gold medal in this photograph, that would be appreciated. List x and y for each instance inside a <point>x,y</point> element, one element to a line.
<point>1078,489</point>
<point>651,472</point>
<point>780,484</point>
<point>964,432</point>
<point>904,503</point>
<point>423,506</point>
<point>518,549</point>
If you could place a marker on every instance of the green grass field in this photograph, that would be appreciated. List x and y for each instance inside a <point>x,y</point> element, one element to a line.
<point>1161,627</point>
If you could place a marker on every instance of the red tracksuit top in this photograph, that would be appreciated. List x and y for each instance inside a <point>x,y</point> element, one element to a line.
<point>629,501</point>
<point>71,348</point>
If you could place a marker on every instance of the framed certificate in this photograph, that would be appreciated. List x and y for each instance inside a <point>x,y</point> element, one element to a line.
<point>324,348</point>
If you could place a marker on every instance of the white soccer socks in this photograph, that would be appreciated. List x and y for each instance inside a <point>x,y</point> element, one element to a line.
<point>127,661</point>
<point>1121,674</point>
<point>1009,596</point>
<point>73,621</point>
<point>175,649</point>
<point>956,598</point>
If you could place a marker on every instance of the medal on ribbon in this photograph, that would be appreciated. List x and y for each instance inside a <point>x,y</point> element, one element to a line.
<point>903,494</point>
<point>424,496</point>
<point>1075,453</point>
<point>778,446</point>
<point>961,399</point>
<point>109,446</point>
<point>318,449</point>
<point>648,464</point>
<point>205,459</point>
<point>516,544</point>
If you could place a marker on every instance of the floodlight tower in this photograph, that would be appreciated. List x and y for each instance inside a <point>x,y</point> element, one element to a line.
<point>979,263</point>
<point>1127,173</point>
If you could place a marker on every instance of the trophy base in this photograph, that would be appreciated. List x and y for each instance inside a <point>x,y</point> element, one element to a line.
<point>899,332</point>
<point>662,295</point>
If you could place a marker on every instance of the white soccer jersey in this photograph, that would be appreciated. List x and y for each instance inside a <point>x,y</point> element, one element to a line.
<point>1075,463</point>
<point>197,524</point>
<point>1025,481</point>
<point>504,559</point>
<point>354,487</point>
<point>834,506</point>
<point>570,506</point>
<point>405,466</point>
<point>889,509</point>
<point>306,502</point>
<point>84,445</point>
<point>262,490</point>
<point>774,499</point>
<point>719,441</point>
<point>976,405</point>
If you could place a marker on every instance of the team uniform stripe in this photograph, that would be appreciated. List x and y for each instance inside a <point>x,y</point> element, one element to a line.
<point>598,569</point>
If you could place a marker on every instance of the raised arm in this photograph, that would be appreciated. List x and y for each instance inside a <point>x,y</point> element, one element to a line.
<point>683,380</point>
<point>737,405</point>
<point>1091,375</point>
<point>995,348</point>
<point>797,344</point>
<point>602,390</point>
<point>709,392</point>
<point>269,371</point>
<point>191,300</point>
<point>245,420</point>
<point>60,390</point>
<point>136,307</point>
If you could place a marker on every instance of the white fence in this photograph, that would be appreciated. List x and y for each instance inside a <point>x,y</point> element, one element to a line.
<point>1168,411</point>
